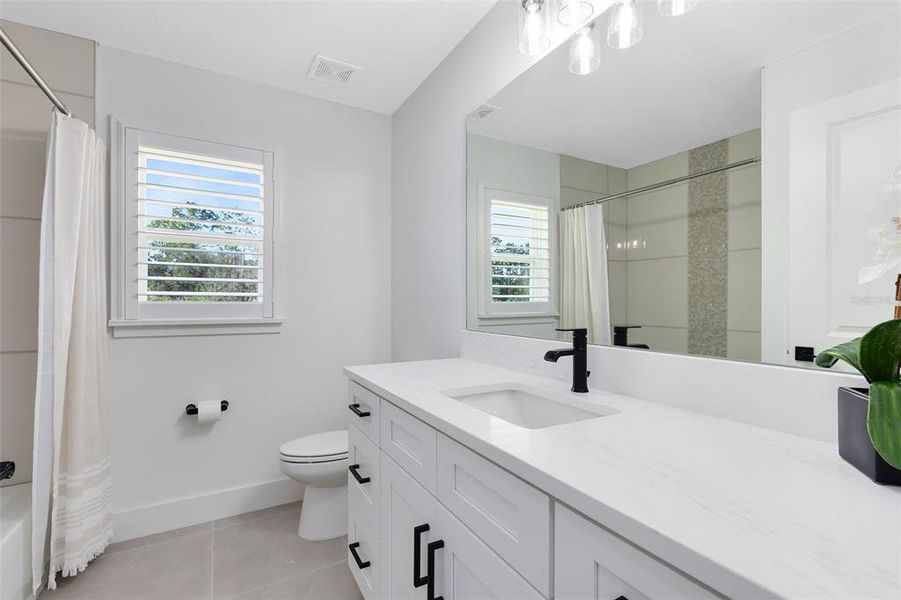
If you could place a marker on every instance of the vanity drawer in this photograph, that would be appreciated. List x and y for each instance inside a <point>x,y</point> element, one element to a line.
<point>510,515</point>
<point>363,458</point>
<point>366,566</point>
<point>364,410</point>
<point>592,563</point>
<point>411,443</point>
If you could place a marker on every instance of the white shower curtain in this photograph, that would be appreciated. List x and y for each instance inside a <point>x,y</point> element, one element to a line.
<point>71,481</point>
<point>584,297</point>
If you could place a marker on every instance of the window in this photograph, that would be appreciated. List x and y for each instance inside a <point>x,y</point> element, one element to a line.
<point>195,231</point>
<point>517,254</point>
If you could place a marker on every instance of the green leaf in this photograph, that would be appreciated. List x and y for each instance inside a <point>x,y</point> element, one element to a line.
<point>848,352</point>
<point>880,352</point>
<point>884,420</point>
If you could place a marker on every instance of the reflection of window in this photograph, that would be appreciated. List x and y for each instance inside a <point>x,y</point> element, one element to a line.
<point>196,222</point>
<point>518,259</point>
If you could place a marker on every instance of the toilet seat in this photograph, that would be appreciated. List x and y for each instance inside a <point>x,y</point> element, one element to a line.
<point>325,447</point>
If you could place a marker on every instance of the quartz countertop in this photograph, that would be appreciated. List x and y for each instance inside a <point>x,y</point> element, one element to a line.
<point>748,511</point>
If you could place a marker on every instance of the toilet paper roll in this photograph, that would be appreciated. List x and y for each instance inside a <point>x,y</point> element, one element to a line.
<point>209,411</point>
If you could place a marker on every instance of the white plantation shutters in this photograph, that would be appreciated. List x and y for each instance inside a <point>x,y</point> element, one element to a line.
<point>199,223</point>
<point>519,259</point>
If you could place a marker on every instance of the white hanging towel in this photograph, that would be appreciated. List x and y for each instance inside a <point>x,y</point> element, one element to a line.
<point>71,483</point>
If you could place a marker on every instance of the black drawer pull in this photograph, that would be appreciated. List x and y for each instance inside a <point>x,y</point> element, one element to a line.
<point>430,575</point>
<point>418,579</point>
<point>355,409</point>
<point>354,470</point>
<point>353,551</point>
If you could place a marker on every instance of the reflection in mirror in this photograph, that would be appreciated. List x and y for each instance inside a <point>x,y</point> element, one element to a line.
<point>709,190</point>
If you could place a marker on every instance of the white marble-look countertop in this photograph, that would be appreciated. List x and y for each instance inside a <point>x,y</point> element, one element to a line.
<point>749,511</point>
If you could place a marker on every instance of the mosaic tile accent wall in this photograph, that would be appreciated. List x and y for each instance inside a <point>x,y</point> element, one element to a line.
<point>708,247</point>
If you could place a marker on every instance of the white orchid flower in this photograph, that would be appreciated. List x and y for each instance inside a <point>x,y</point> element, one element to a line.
<point>888,251</point>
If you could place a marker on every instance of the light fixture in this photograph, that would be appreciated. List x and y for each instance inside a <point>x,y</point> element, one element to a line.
<point>585,50</point>
<point>675,8</point>
<point>625,28</point>
<point>573,12</point>
<point>534,27</point>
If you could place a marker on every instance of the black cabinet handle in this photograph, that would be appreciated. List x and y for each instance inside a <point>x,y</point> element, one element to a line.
<point>355,409</point>
<point>354,470</point>
<point>353,551</point>
<point>418,579</point>
<point>430,574</point>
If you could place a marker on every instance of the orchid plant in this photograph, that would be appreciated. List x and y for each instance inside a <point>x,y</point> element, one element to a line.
<point>877,356</point>
<point>888,251</point>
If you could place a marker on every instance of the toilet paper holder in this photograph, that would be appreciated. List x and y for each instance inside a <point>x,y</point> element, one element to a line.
<point>191,409</point>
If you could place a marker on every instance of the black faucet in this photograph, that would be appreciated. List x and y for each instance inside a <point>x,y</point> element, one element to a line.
<point>579,352</point>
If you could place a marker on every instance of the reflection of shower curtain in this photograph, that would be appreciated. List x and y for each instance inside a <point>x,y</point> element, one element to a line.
<point>71,484</point>
<point>584,299</point>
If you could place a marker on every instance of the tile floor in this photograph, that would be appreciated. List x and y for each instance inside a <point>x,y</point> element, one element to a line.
<point>255,556</point>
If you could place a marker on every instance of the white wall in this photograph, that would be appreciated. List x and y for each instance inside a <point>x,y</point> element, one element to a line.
<point>496,164</point>
<point>66,62</point>
<point>428,185</point>
<point>332,170</point>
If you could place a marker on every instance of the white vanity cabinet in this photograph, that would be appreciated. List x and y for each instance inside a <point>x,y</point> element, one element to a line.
<point>593,564</point>
<point>436,520</point>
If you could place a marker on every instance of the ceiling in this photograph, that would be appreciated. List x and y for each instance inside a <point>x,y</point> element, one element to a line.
<point>692,80</point>
<point>397,43</point>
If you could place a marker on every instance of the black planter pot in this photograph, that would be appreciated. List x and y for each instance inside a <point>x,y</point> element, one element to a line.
<point>854,443</point>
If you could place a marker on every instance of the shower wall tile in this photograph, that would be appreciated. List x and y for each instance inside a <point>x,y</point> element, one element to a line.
<point>17,377</point>
<point>658,292</point>
<point>744,290</point>
<point>617,285</point>
<point>22,161</point>
<point>65,62</point>
<point>744,345</point>
<point>583,175</point>
<point>26,108</point>
<point>658,239</point>
<point>661,339</point>
<point>708,228</point>
<point>659,170</point>
<point>660,205</point>
<point>572,196</point>
<point>19,251</point>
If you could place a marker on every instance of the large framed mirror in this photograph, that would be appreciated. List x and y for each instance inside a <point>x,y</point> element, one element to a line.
<point>724,182</point>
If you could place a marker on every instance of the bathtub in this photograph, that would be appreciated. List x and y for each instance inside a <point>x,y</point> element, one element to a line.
<point>15,542</point>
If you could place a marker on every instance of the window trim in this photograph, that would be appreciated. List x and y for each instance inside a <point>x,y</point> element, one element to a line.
<point>123,321</point>
<point>513,310</point>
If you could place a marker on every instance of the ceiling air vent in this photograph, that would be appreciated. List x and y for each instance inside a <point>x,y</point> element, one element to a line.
<point>482,112</point>
<point>332,71</point>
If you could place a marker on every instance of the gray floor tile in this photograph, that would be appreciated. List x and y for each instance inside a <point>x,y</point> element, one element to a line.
<point>252,556</point>
<point>333,582</point>
<point>171,569</point>
<point>258,552</point>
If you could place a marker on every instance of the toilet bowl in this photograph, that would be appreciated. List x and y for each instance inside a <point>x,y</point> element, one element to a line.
<point>320,462</point>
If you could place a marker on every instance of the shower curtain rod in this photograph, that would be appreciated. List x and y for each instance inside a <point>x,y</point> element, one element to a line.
<point>669,182</point>
<point>20,58</point>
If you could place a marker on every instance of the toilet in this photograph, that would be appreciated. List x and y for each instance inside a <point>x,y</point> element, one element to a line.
<point>320,462</point>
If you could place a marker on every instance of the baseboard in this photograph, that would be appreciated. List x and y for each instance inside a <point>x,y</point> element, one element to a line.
<point>157,518</point>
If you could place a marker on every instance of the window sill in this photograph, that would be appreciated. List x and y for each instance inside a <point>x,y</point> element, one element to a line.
<point>193,327</point>
<point>547,316</point>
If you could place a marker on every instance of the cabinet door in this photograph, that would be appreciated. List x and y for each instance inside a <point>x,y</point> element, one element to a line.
<point>363,558</point>
<point>467,569</point>
<point>405,505</point>
<point>591,563</point>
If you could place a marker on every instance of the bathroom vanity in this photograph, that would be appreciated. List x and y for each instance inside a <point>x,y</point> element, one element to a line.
<point>637,500</point>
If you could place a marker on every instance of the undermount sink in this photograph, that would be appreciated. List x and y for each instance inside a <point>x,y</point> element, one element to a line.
<point>526,406</point>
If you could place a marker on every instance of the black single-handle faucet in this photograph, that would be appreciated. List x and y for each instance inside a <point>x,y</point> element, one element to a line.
<point>579,352</point>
